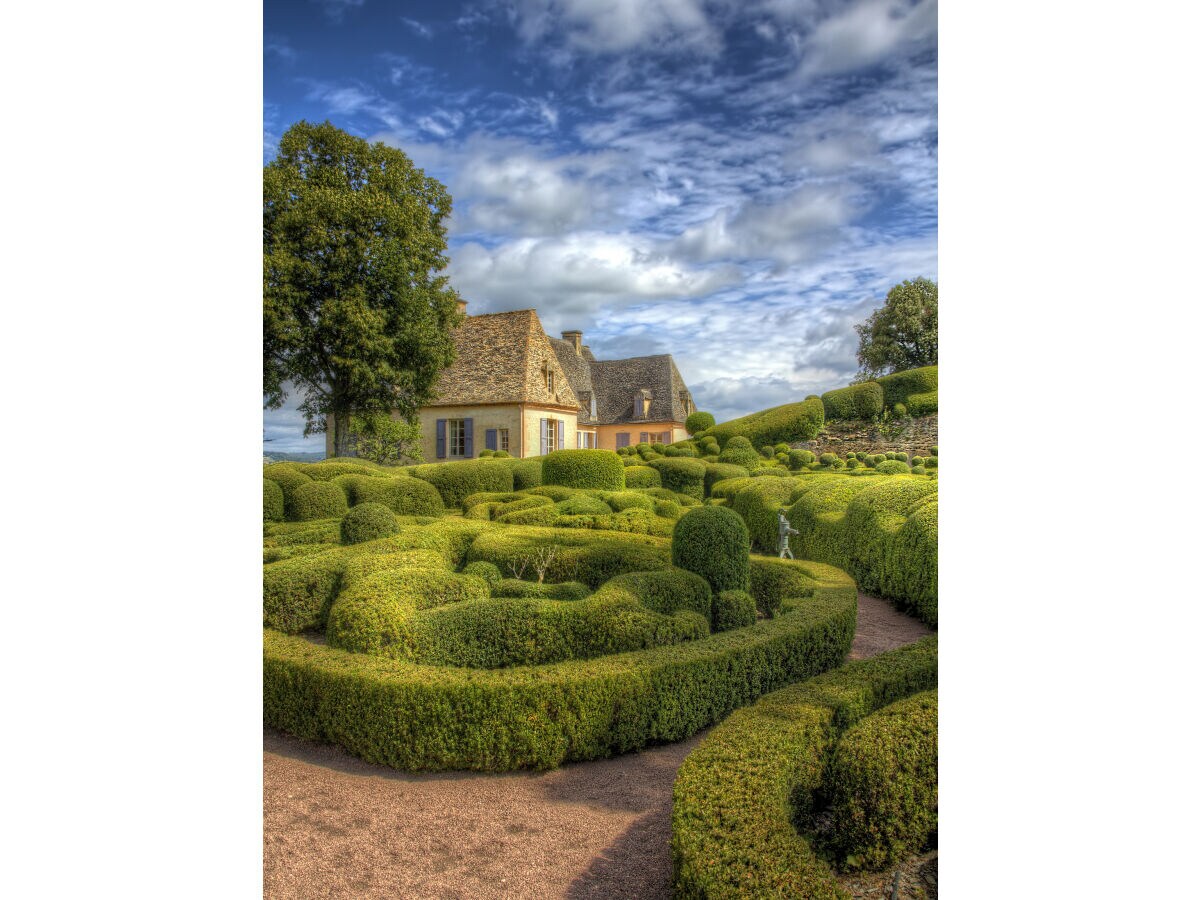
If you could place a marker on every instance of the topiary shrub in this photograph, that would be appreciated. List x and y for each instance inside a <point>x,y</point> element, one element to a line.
<point>918,470</point>
<point>930,462</point>
<point>403,495</point>
<point>739,451</point>
<point>714,472</point>
<point>798,459</point>
<point>622,500</point>
<point>642,477</point>
<point>318,500</point>
<point>668,509</point>
<point>892,467</point>
<point>923,404</point>
<point>856,402</point>
<point>329,469</point>
<point>484,454</point>
<point>584,505</point>
<point>933,451</point>
<point>790,422</point>
<point>828,459</point>
<point>900,411</point>
<point>713,542</point>
<point>674,450</point>
<point>272,501</point>
<point>708,445</point>
<point>368,522</point>
<point>882,786</point>
<point>596,469</point>
<point>515,587</point>
<point>298,592</point>
<point>288,477</point>
<point>502,454</point>
<point>489,572</point>
<point>527,473</point>
<point>899,387</point>
<point>681,476</point>
<point>853,464</point>
<point>456,480</point>
<point>699,421</point>
<point>733,609</point>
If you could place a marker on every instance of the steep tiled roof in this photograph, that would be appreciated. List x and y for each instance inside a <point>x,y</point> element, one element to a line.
<point>503,358</point>
<point>579,374</point>
<point>617,381</point>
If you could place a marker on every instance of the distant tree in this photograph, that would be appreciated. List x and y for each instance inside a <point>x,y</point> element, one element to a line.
<point>902,334</point>
<point>355,313</point>
<point>382,439</point>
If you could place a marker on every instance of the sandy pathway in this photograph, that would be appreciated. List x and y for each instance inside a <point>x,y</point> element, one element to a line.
<point>334,826</point>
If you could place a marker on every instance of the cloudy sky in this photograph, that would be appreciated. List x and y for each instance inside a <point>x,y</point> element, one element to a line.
<point>734,182</point>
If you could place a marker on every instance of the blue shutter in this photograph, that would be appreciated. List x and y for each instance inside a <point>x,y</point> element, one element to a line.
<point>623,439</point>
<point>562,435</point>
<point>469,450</point>
<point>545,435</point>
<point>441,438</point>
<point>489,439</point>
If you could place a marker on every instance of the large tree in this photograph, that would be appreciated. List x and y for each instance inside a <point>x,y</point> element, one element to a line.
<point>901,334</point>
<point>356,315</point>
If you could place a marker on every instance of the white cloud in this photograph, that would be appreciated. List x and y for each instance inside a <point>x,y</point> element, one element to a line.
<point>867,33</point>
<point>419,28</point>
<point>616,26</point>
<point>335,10</point>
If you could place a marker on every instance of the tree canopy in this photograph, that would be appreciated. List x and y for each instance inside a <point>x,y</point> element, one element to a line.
<point>355,313</point>
<point>901,334</point>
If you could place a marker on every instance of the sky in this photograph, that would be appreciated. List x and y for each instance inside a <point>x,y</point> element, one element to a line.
<point>734,183</point>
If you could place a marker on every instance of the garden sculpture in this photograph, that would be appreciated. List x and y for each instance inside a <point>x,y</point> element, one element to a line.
<point>785,528</point>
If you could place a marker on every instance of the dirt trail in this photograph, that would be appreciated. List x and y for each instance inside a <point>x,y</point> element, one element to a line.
<point>334,826</point>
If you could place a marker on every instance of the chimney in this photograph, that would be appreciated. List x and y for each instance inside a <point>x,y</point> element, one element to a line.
<point>575,339</point>
<point>462,307</point>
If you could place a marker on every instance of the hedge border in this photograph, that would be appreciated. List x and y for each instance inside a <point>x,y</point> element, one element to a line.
<point>429,718</point>
<point>732,832</point>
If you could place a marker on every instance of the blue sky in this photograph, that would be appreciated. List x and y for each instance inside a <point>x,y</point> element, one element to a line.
<point>734,183</point>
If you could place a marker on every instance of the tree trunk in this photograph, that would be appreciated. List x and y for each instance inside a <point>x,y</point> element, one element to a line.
<point>341,434</point>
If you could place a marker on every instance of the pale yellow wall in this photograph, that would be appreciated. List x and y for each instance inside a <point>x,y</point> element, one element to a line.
<point>607,434</point>
<point>533,428</point>
<point>484,417</point>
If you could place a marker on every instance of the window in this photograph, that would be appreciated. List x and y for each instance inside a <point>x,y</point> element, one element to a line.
<point>645,437</point>
<point>550,380</point>
<point>551,436</point>
<point>457,431</point>
<point>623,439</point>
<point>685,400</point>
<point>585,440</point>
<point>503,439</point>
<point>593,405</point>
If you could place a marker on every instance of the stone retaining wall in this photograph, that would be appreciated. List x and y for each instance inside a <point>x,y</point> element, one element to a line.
<point>914,436</point>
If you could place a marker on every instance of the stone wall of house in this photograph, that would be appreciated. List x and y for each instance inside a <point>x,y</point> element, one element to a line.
<point>916,436</point>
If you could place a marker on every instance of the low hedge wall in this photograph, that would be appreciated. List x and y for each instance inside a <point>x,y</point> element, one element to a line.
<point>737,795</point>
<point>272,501</point>
<point>402,494</point>
<point>317,500</point>
<point>858,401</point>
<point>456,480</point>
<point>791,422</point>
<point>642,477</point>
<point>681,475</point>
<point>422,717</point>
<point>900,386</point>
<point>596,469</point>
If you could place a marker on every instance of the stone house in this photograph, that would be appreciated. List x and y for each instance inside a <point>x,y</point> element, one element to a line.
<point>513,388</point>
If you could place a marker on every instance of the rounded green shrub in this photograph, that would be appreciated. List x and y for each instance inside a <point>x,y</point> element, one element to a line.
<point>368,522</point>
<point>699,421</point>
<point>781,447</point>
<point>708,445</point>
<point>918,470</point>
<point>484,454</point>
<point>892,467</point>
<point>402,494</point>
<point>714,472</point>
<point>900,411</point>
<point>828,459</point>
<point>856,402</point>
<point>623,500</point>
<point>583,505</point>
<point>738,451</point>
<point>527,473</point>
<point>596,469</point>
<point>931,462</point>
<point>766,451</point>
<point>502,454</point>
<point>790,422</point>
<point>905,387</point>
<point>682,476</point>
<point>668,509</point>
<point>298,592</point>
<point>515,587</point>
<point>882,786</point>
<point>329,469</point>
<point>637,476</point>
<point>318,500</point>
<point>456,480</point>
<point>713,542</point>
<point>933,451</point>
<point>659,447</point>
<point>272,501</point>
<point>733,609</point>
<point>798,459</point>
<point>489,572</point>
<point>674,450</point>
<point>288,477</point>
<point>853,463</point>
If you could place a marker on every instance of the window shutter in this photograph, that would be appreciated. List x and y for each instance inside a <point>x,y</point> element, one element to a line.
<point>469,435</point>
<point>545,435</point>
<point>562,435</point>
<point>489,439</point>
<point>623,439</point>
<point>441,438</point>
<point>645,437</point>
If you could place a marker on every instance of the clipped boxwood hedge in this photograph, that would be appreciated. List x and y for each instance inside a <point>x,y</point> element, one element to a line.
<point>597,469</point>
<point>858,401</point>
<point>740,452</point>
<point>368,522</point>
<point>712,541</point>
<point>272,501</point>
<point>791,422</point>
<point>642,477</point>
<point>402,494</point>
<point>682,476</point>
<point>699,421</point>
<point>456,480</point>
<point>738,794</point>
<point>422,717</point>
<point>714,472</point>
<point>317,500</point>
<point>900,386</point>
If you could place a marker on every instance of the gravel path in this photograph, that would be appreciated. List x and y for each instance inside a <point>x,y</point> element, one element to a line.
<point>334,826</point>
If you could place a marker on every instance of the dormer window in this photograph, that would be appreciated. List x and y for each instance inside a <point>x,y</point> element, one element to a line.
<point>550,380</point>
<point>641,404</point>
<point>593,405</point>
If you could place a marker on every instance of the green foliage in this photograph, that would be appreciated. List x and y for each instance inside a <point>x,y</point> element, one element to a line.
<point>828,459</point>
<point>502,454</point>
<point>527,473</point>
<point>402,494</point>
<point>892,467</point>
<point>317,500</point>
<point>642,477</point>
<point>856,402</point>
<point>758,503</point>
<point>515,587</point>
<point>368,522</point>
<point>709,445</point>
<point>740,452</point>
<point>714,472</point>
<point>598,469</point>
<point>456,480</point>
<point>900,387</point>
<point>331,469</point>
<point>901,334</point>
<point>297,593</point>
<point>356,312</point>
<point>680,450</point>
<point>272,501</point>
<point>791,422</point>
<point>713,542</point>
<point>882,786</point>
<point>923,404</point>
<point>503,719</point>
<point>699,421</point>
<point>623,500</point>
<point>382,439</point>
<point>681,476</point>
<point>733,609</point>
<point>900,411</point>
<point>582,555</point>
<point>738,794</point>
<point>289,477</point>
<point>798,459</point>
<point>585,505</point>
<point>485,570</point>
